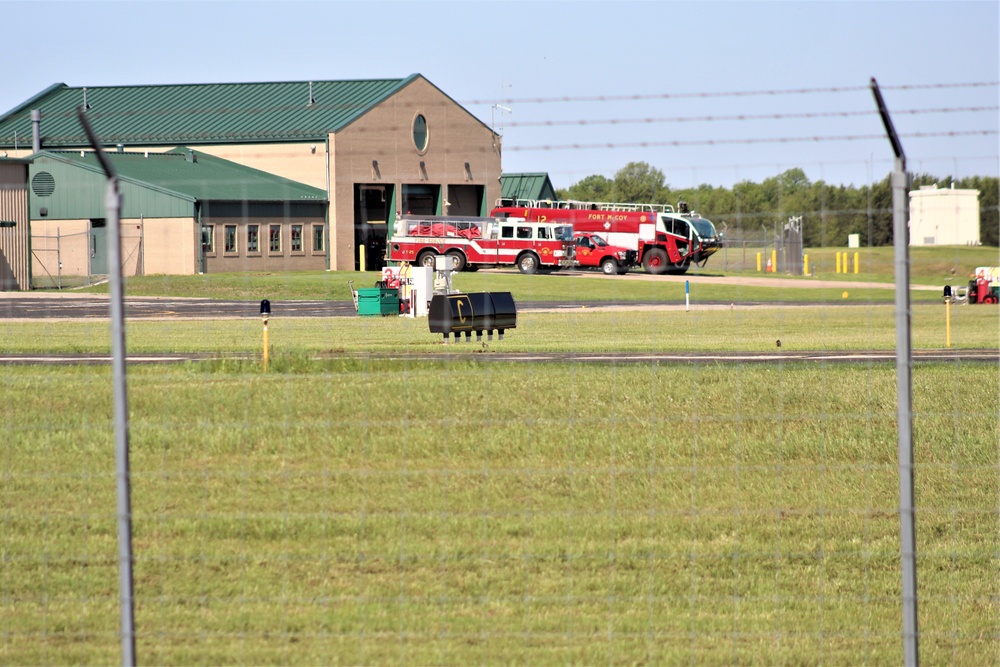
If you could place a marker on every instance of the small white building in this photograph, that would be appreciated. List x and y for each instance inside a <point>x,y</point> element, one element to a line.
<point>944,216</point>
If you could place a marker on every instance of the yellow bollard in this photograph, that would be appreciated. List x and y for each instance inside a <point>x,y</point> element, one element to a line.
<point>361,258</point>
<point>265,312</point>
<point>856,263</point>
<point>774,261</point>
<point>758,262</point>
<point>838,261</point>
<point>805,264</point>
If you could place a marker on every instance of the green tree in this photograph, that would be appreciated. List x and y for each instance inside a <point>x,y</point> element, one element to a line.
<point>592,188</point>
<point>829,213</point>
<point>638,182</point>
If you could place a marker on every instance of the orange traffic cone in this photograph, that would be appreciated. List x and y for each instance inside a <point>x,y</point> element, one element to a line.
<point>769,268</point>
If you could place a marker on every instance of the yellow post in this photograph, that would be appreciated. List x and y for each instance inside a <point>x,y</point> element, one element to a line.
<point>856,262</point>
<point>774,261</point>
<point>265,312</point>
<point>265,343</point>
<point>805,264</point>
<point>361,258</point>
<point>947,322</point>
<point>758,262</point>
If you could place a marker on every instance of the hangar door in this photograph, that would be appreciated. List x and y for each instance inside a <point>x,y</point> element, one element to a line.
<point>372,206</point>
<point>421,199</point>
<point>465,200</point>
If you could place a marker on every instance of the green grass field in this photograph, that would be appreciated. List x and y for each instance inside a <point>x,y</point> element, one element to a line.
<point>373,512</point>
<point>365,503</point>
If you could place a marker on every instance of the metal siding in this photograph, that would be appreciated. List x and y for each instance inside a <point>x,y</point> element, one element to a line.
<point>14,241</point>
<point>527,186</point>
<point>198,113</point>
<point>80,193</point>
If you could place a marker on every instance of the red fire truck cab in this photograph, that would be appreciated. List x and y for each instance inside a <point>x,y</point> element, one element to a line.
<point>475,242</point>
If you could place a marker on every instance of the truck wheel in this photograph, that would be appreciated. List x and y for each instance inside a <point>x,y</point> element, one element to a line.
<point>655,261</point>
<point>426,259</point>
<point>457,260</point>
<point>609,266</point>
<point>527,263</point>
<point>679,269</point>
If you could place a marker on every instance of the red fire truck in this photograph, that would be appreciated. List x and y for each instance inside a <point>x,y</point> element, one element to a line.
<point>665,240</point>
<point>475,242</point>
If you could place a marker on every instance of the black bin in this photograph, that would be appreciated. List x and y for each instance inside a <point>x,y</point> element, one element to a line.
<point>467,313</point>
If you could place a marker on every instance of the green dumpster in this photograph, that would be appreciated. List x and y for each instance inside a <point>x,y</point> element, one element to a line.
<point>378,301</point>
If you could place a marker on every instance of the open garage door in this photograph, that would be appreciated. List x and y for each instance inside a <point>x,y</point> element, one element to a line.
<point>465,200</point>
<point>420,199</point>
<point>372,206</point>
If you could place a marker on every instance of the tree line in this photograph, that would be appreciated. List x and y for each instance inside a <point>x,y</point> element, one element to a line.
<point>829,212</point>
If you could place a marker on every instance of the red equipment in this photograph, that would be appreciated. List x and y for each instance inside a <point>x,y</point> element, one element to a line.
<point>665,240</point>
<point>593,251</point>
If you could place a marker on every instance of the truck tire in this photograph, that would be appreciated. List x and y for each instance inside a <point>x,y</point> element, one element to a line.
<point>457,260</point>
<point>655,261</point>
<point>426,259</point>
<point>609,266</point>
<point>679,269</point>
<point>528,263</point>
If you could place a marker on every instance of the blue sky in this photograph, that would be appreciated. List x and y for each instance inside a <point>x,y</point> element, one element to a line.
<point>662,73</point>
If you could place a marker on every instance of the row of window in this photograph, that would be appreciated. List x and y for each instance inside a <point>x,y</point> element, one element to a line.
<point>231,238</point>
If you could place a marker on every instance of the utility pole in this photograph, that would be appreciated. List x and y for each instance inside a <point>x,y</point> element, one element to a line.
<point>904,386</point>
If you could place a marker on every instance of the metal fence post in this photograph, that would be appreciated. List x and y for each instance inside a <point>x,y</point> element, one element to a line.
<point>113,202</point>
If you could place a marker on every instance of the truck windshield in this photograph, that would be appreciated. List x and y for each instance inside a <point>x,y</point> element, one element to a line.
<point>564,233</point>
<point>704,227</point>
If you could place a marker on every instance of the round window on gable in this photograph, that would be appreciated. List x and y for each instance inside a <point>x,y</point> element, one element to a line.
<point>43,184</point>
<point>420,135</point>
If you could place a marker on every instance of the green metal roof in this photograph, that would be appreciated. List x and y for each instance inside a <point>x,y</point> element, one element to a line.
<point>203,178</point>
<point>191,114</point>
<point>526,186</point>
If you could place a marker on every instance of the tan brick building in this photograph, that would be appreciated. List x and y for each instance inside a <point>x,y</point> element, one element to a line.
<point>377,148</point>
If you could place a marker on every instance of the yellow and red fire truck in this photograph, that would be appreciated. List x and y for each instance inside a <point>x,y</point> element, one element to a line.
<point>471,243</point>
<point>665,240</point>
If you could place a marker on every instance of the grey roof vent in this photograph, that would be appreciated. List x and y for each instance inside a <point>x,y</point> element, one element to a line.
<point>312,100</point>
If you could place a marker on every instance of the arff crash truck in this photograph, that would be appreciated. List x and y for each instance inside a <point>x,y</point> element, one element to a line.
<point>665,240</point>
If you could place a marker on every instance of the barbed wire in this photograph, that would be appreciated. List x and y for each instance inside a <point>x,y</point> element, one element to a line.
<point>743,117</point>
<point>764,140</point>
<point>737,93</point>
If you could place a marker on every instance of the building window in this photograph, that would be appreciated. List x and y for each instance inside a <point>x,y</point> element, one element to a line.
<point>208,239</point>
<point>253,238</point>
<point>274,238</point>
<point>229,239</point>
<point>420,135</point>
<point>296,238</point>
<point>317,238</point>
